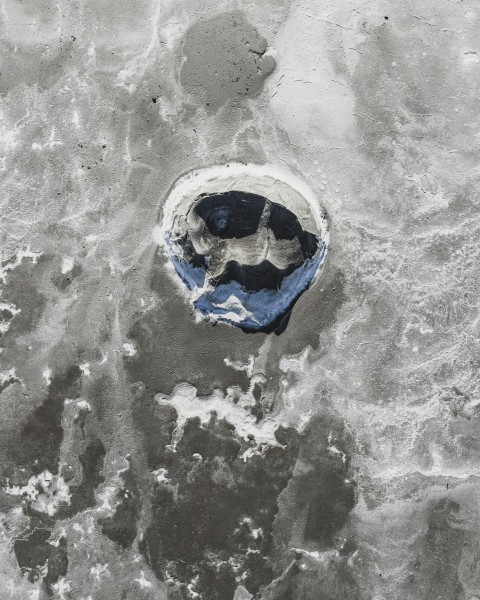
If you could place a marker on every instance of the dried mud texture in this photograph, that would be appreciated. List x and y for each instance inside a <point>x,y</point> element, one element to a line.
<point>147,455</point>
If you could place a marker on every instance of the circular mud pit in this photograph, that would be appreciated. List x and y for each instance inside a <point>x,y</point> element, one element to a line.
<point>245,243</point>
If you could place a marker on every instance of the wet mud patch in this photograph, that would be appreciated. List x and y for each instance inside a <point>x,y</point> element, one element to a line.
<point>38,442</point>
<point>322,492</point>
<point>226,511</point>
<point>38,555</point>
<point>42,485</point>
<point>213,508</point>
<point>32,552</point>
<point>22,304</point>
<point>121,527</point>
<point>225,60</point>
<point>83,494</point>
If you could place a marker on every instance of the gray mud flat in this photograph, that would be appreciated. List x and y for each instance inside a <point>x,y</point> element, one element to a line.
<point>155,444</point>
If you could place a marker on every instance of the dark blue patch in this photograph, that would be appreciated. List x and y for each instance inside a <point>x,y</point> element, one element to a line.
<point>252,297</point>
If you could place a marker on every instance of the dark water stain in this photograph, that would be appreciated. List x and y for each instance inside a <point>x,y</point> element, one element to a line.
<point>218,506</point>
<point>21,290</point>
<point>434,572</point>
<point>225,60</point>
<point>121,527</point>
<point>32,551</point>
<point>156,424</point>
<point>57,564</point>
<point>83,495</point>
<point>32,547</point>
<point>63,280</point>
<point>40,437</point>
<point>327,489</point>
<point>323,490</point>
<point>35,549</point>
